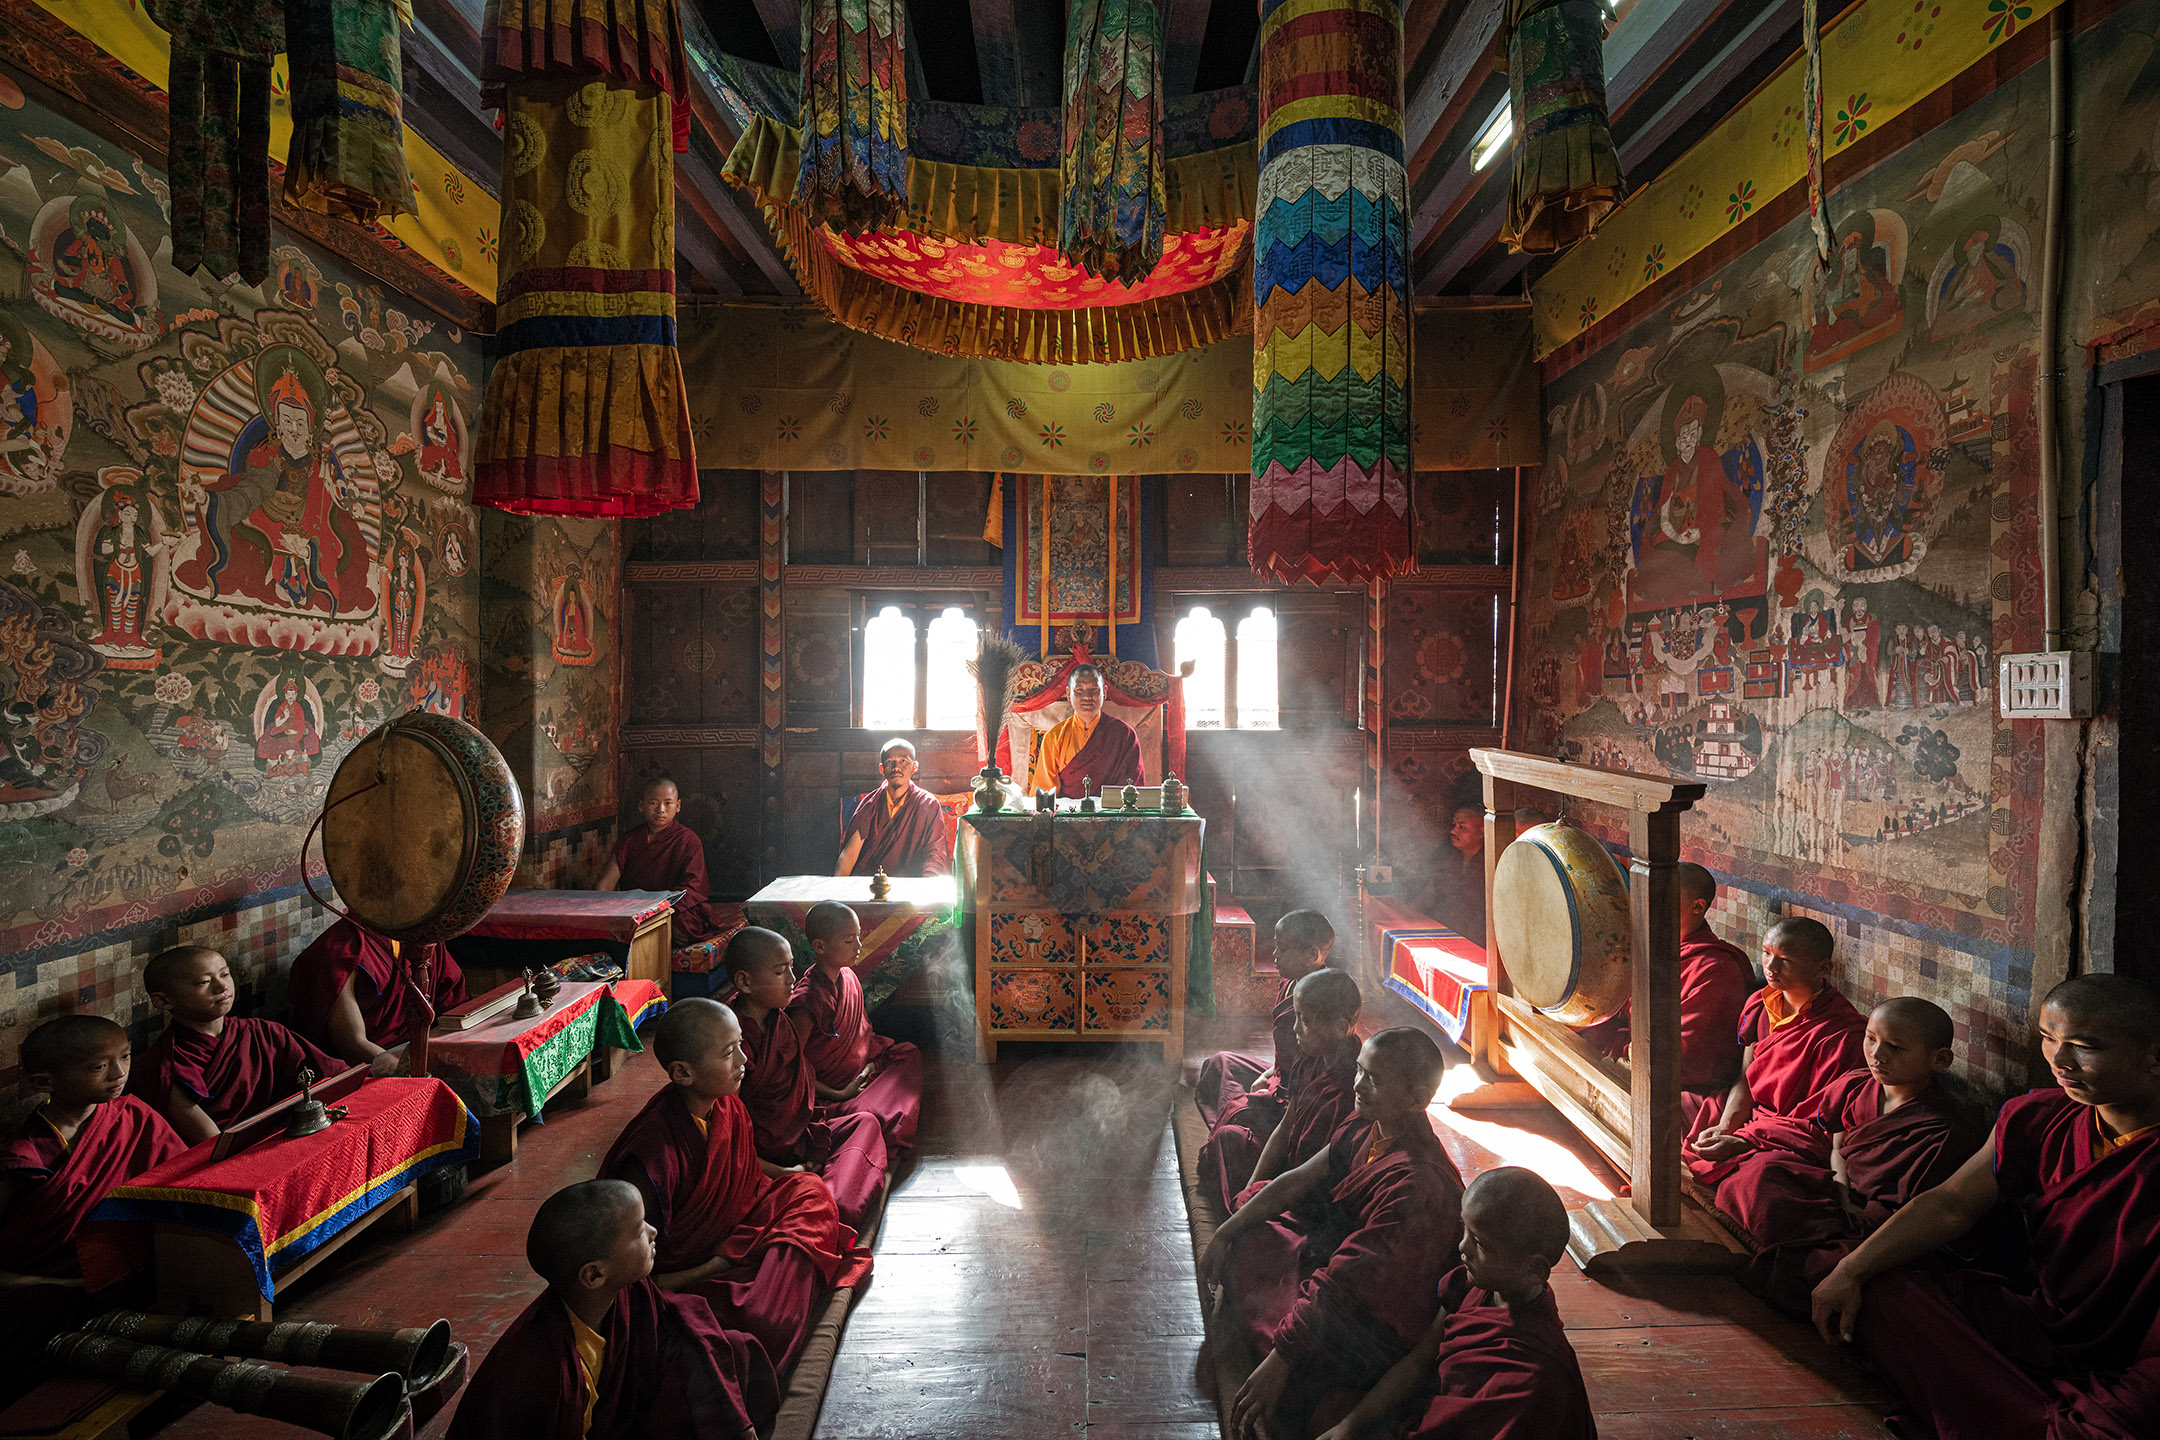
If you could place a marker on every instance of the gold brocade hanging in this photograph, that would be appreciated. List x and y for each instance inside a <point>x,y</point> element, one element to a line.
<point>1567,174</point>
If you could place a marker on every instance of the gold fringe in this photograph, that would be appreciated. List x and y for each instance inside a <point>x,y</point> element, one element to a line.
<point>556,403</point>
<point>1565,184</point>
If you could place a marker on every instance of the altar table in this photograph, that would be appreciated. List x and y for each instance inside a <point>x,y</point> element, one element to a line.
<point>898,932</point>
<point>643,919</point>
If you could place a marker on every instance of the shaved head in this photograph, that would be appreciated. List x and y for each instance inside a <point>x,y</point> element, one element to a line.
<point>751,944</point>
<point>65,1039</point>
<point>1411,1056</point>
<point>1924,1020</point>
<point>1807,939</point>
<point>1330,994</point>
<point>577,1225</point>
<point>1517,1208</point>
<point>690,1030</point>
<point>656,783</point>
<point>2121,1003</point>
<point>1695,883</point>
<point>825,919</point>
<point>166,967</point>
<point>1305,930</point>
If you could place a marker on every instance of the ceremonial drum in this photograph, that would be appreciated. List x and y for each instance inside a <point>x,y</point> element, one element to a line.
<point>1560,914</point>
<point>422,828</point>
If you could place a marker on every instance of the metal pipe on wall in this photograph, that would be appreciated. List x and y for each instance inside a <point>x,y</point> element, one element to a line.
<point>2051,324</point>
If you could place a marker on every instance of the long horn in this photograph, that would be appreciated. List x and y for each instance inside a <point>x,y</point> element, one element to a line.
<point>345,1409</point>
<point>417,1354</point>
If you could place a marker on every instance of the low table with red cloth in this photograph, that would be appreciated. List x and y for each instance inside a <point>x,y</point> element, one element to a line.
<point>231,1231</point>
<point>640,919</point>
<point>507,1069</point>
<point>1431,966</point>
<point>898,933</point>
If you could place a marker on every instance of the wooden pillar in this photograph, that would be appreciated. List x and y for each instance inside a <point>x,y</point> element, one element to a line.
<point>1502,799</point>
<point>772,727</point>
<point>1654,1061</point>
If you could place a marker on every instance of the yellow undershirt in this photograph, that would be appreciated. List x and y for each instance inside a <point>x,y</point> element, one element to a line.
<point>1057,747</point>
<point>2105,1144</point>
<point>591,1353</point>
<point>1776,1010</point>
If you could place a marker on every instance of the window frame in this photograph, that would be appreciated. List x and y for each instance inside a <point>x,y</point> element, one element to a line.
<point>1231,609</point>
<point>920,607</point>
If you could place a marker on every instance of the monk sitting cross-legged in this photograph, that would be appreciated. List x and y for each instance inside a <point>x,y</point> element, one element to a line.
<point>351,996</point>
<point>1799,1034</point>
<point>1495,1363</point>
<point>779,1090</point>
<point>1243,1097</point>
<point>857,1070</point>
<point>899,827</point>
<point>2071,1350</point>
<point>603,1353</point>
<point>1087,750</point>
<point>1814,1188</point>
<point>1331,1272</point>
<point>758,1241</point>
<point>1327,1004</point>
<point>663,854</point>
<point>211,1067</point>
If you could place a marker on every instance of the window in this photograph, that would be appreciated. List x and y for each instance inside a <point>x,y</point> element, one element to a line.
<point>915,659</point>
<point>1232,687</point>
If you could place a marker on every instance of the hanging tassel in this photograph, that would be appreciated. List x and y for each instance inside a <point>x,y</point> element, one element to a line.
<point>854,115</point>
<point>1112,208</point>
<point>347,156</point>
<point>1567,174</point>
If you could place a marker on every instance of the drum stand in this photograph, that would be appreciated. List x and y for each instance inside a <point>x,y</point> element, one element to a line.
<point>1633,1116</point>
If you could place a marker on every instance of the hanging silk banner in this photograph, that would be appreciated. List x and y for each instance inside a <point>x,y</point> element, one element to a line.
<point>1331,292</point>
<point>585,411</point>
<point>1567,174</point>
<point>348,102</point>
<point>217,153</point>
<point>854,174</point>
<point>1082,541</point>
<point>1111,223</point>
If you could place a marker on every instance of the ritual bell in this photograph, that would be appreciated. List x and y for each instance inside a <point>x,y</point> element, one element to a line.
<point>310,1115</point>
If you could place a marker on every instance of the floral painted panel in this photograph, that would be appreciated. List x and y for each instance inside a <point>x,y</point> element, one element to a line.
<point>1034,1000</point>
<point>1126,1000</point>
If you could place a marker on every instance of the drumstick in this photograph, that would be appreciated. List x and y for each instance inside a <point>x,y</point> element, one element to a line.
<point>416,1031</point>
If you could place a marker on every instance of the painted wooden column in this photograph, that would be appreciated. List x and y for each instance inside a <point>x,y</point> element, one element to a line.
<point>1331,292</point>
<point>772,715</point>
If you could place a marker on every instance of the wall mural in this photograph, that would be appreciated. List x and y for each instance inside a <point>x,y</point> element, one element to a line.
<point>233,536</point>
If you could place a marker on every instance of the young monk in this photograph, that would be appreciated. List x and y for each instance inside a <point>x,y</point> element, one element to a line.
<point>663,855</point>
<point>848,1149</point>
<point>1799,1034</point>
<point>211,1067</point>
<point>1331,1272</point>
<point>757,1241</point>
<point>352,997</point>
<point>603,1353</point>
<point>2073,1352</point>
<point>1243,1097</point>
<point>857,1070</point>
<point>1495,1364</point>
<point>1714,984</point>
<point>1326,1004</point>
<point>1814,1188</point>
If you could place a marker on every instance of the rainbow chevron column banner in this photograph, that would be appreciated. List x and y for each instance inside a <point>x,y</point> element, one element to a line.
<point>1331,291</point>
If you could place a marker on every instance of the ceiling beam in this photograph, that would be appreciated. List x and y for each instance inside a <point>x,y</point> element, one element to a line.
<point>714,200</point>
<point>1471,50</point>
<point>1184,28</point>
<point>783,22</point>
<point>1040,28</point>
<point>442,103</point>
<point>997,50</point>
<point>697,244</point>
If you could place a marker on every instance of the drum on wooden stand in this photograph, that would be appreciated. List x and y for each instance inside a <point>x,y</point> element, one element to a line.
<point>1560,915</point>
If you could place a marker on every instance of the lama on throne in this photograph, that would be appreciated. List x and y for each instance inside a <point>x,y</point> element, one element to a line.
<point>1078,721</point>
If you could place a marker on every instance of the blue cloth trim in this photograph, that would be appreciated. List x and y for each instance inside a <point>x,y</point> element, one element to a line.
<point>1332,130</point>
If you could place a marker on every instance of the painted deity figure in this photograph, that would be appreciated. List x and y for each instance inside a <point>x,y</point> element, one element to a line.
<point>440,442</point>
<point>1692,526</point>
<point>120,553</point>
<point>405,590</point>
<point>1880,480</point>
<point>1904,670</point>
<point>573,619</point>
<point>288,735</point>
<point>90,263</point>
<point>1982,284</point>
<point>1863,653</point>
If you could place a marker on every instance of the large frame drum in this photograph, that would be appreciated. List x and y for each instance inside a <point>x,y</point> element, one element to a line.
<point>1560,915</point>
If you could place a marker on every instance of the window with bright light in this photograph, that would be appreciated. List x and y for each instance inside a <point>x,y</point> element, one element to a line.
<point>952,698</point>
<point>1200,639</point>
<point>889,671</point>
<point>1257,708</point>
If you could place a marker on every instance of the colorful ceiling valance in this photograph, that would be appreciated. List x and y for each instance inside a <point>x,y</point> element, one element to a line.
<point>1111,218</point>
<point>217,152</point>
<point>975,270</point>
<point>347,156</point>
<point>1567,174</point>
<point>854,114</point>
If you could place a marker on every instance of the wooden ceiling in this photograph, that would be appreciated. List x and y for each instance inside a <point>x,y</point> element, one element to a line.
<point>1673,67</point>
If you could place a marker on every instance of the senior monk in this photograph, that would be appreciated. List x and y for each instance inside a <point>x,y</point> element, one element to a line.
<point>1815,1188</point>
<point>1087,748</point>
<point>2070,1350</point>
<point>1714,985</point>
<point>211,1067</point>
<point>1496,1364</point>
<point>662,854</point>
<point>350,995</point>
<point>900,828</point>
<point>1332,1271</point>
<point>605,1354</point>
<point>1800,1034</point>
<point>758,1241</point>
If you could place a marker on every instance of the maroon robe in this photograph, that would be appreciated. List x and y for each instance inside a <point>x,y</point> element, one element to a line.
<point>782,1235</point>
<point>1503,1374</point>
<point>1242,1098</point>
<point>346,952</point>
<point>670,1372</point>
<point>1714,984</point>
<point>840,1042</point>
<point>1110,757</point>
<point>1792,1064</point>
<point>917,840</point>
<point>246,1066</point>
<point>790,1129</point>
<point>673,859</point>
<point>1786,1198</point>
<point>2075,1355</point>
<point>1318,1107</point>
<point>1345,1285</point>
<point>53,1187</point>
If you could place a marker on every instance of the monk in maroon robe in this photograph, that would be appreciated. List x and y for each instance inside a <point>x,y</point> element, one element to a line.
<point>856,1071</point>
<point>757,1242</point>
<point>1088,750</point>
<point>1327,1004</point>
<point>1715,982</point>
<point>666,1368</point>
<point>2071,1349</point>
<point>1331,1273</point>
<point>899,828</point>
<point>1242,1097</point>
<point>1496,1363</point>
<point>1814,1188</point>
<point>1801,1034</point>
<point>211,1067</point>
<point>779,1090</point>
<point>352,997</point>
<point>664,855</point>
